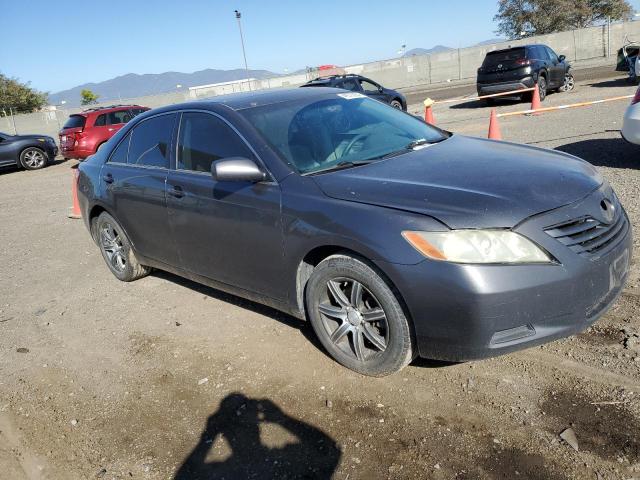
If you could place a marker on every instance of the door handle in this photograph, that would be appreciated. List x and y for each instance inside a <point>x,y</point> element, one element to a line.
<point>108,178</point>
<point>176,191</point>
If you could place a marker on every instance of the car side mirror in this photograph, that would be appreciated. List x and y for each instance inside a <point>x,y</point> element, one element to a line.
<point>236,169</point>
<point>562,58</point>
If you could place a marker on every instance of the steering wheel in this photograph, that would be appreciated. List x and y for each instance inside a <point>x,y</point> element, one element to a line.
<point>353,141</point>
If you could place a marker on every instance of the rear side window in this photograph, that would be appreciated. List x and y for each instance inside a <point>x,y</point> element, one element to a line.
<point>75,121</point>
<point>121,116</point>
<point>504,56</point>
<point>119,155</point>
<point>136,111</point>
<point>151,140</point>
<point>203,139</point>
<point>101,121</point>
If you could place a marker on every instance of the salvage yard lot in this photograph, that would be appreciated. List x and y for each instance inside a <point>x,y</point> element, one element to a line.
<point>160,377</point>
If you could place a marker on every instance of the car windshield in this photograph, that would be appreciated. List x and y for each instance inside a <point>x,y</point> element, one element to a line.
<point>337,132</point>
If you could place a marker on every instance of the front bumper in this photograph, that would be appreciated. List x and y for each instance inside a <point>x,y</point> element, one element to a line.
<point>631,126</point>
<point>466,312</point>
<point>501,87</point>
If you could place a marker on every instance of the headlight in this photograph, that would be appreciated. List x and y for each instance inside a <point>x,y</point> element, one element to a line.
<point>477,246</point>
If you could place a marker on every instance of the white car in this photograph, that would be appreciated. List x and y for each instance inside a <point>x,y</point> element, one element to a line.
<point>631,126</point>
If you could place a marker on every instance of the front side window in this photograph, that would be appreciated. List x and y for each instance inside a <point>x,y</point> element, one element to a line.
<point>369,87</point>
<point>346,128</point>
<point>552,55</point>
<point>205,138</point>
<point>151,141</point>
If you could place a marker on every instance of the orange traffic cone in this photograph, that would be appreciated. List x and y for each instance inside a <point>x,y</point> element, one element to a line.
<point>494,127</point>
<point>428,113</point>
<point>75,210</point>
<point>535,100</point>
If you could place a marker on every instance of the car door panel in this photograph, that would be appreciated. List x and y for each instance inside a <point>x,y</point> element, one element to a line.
<point>134,182</point>
<point>230,232</point>
<point>8,154</point>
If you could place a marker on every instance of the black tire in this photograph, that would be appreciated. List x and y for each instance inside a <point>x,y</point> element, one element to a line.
<point>542,87</point>
<point>33,158</point>
<point>385,344</point>
<point>116,249</point>
<point>395,103</point>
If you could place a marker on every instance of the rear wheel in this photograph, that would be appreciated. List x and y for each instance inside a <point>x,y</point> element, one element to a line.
<point>542,87</point>
<point>396,104</point>
<point>357,317</point>
<point>33,158</point>
<point>116,249</point>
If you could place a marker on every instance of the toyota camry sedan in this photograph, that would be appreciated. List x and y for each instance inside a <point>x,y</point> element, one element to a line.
<point>393,238</point>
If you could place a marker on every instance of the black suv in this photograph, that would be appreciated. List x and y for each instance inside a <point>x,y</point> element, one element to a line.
<point>521,67</point>
<point>366,86</point>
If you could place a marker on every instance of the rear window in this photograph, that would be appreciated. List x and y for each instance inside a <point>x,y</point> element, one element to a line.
<point>503,56</point>
<point>75,121</point>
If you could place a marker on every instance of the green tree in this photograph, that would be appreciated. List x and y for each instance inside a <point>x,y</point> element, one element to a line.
<point>87,97</point>
<point>518,18</point>
<point>19,97</point>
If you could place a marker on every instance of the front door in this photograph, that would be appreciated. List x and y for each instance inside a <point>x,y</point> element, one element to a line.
<point>134,179</point>
<point>373,90</point>
<point>556,70</point>
<point>227,231</point>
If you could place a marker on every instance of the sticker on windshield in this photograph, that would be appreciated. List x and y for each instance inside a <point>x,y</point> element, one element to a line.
<point>351,95</point>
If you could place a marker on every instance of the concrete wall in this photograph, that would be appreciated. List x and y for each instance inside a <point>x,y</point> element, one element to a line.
<point>453,65</point>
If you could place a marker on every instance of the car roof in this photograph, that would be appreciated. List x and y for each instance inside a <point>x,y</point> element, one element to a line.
<point>517,47</point>
<point>239,101</point>
<point>110,108</point>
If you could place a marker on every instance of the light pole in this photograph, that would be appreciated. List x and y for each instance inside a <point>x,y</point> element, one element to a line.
<point>238,16</point>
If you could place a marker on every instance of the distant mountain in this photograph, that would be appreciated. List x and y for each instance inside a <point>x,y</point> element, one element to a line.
<point>426,51</point>
<point>490,41</point>
<point>133,85</point>
<point>442,48</point>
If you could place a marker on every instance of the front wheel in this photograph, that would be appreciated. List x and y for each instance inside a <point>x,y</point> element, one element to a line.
<point>569,83</point>
<point>357,317</point>
<point>33,158</point>
<point>116,249</point>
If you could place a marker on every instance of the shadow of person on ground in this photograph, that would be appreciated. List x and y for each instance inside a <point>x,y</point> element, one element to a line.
<point>313,454</point>
<point>605,152</point>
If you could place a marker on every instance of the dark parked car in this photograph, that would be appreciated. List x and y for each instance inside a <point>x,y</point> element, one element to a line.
<point>85,132</point>
<point>521,67</point>
<point>366,86</point>
<point>394,238</point>
<point>27,151</point>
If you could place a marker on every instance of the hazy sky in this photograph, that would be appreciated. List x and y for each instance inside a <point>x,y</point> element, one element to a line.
<point>60,45</point>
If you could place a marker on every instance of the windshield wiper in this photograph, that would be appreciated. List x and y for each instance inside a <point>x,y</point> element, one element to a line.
<point>340,166</point>
<point>416,143</point>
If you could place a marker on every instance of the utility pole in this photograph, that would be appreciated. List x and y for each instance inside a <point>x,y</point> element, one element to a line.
<point>238,16</point>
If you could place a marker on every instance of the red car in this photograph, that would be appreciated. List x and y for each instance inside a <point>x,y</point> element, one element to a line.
<point>83,133</point>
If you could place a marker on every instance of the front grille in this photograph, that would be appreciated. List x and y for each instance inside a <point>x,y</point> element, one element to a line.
<point>590,237</point>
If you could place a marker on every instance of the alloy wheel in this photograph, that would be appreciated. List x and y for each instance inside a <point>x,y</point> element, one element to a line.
<point>354,319</point>
<point>112,246</point>
<point>34,158</point>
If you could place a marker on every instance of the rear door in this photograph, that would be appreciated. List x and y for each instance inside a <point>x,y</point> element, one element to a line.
<point>134,179</point>
<point>227,231</point>
<point>74,124</point>
<point>100,130</point>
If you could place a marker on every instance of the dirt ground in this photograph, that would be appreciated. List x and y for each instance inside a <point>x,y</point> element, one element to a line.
<point>163,378</point>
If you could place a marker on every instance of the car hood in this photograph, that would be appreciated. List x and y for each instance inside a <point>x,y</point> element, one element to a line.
<point>468,182</point>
